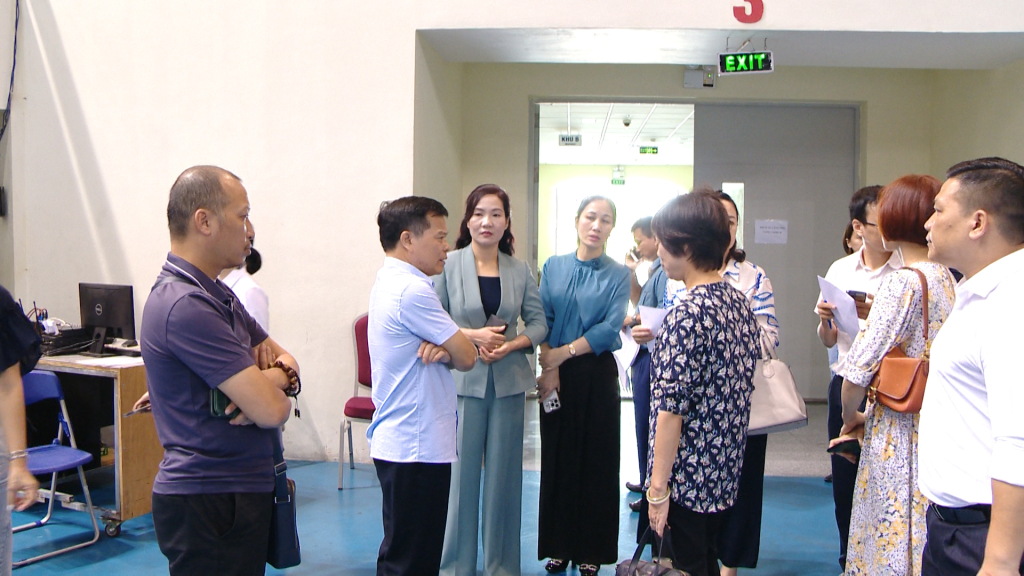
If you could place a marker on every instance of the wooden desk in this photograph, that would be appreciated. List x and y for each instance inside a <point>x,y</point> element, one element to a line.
<point>137,450</point>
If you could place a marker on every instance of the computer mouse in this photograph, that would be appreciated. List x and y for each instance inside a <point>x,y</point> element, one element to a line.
<point>130,343</point>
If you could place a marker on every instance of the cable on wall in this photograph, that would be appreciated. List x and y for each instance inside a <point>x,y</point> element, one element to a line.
<point>14,63</point>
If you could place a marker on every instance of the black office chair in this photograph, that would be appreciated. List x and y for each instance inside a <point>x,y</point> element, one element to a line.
<point>54,458</point>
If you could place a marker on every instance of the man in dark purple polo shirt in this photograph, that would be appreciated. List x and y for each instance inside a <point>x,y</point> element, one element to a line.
<point>213,494</point>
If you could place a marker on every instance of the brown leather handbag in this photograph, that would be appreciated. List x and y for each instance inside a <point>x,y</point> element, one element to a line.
<point>899,382</point>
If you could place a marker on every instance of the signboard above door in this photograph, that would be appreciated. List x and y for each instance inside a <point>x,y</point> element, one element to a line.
<point>731,63</point>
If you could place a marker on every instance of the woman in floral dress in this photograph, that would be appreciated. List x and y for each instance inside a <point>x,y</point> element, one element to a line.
<point>887,528</point>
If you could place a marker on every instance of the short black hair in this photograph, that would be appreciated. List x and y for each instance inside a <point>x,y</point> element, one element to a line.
<point>253,262</point>
<point>410,213</point>
<point>195,188</point>
<point>995,185</point>
<point>696,223</point>
<point>644,226</point>
<point>860,201</point>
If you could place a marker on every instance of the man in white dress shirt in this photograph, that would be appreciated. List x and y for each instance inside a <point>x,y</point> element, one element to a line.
<point>971,436</point>
<point>253,298</point>
<point>861,271</point>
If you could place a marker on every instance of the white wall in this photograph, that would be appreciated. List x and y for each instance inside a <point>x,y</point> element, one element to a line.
<point>119,97</point>
<point>115,97</point>
<point>874,15</point>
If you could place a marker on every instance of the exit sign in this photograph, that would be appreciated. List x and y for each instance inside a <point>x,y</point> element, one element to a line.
<point>648,149</point>
<point>745,63</point>
<point>618,181</point>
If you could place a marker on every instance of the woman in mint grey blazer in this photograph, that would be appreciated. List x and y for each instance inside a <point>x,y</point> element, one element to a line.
<point>483,287</point>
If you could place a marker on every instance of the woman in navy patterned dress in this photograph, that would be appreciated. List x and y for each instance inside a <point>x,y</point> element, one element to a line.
<point>701,381</point>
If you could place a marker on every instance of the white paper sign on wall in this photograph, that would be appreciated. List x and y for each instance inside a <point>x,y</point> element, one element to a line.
<point>771,231</point>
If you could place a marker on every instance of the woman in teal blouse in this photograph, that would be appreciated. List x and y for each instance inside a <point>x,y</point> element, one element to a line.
<point>482,281</point>
<point>585,295</point>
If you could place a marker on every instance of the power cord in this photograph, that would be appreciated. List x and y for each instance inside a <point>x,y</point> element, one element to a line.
<point>14,64</point>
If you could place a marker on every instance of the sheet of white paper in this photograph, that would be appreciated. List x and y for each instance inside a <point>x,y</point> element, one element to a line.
<point>771,231</point>
<point>845,309</point>
<point>652,318</point>
<point>624,357</point>
<point>109,361</point>
<point>627,353</point>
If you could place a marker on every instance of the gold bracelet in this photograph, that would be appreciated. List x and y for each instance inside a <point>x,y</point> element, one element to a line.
<point>655,501</point>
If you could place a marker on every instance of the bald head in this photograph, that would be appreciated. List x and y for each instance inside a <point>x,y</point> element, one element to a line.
<point>199,187</point>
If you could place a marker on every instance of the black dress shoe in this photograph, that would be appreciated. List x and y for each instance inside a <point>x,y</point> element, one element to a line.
<point>555,565</point>
<point>828,478</point>
<point>637,505</point>
<point>589,569</point>
<point>634,487</point>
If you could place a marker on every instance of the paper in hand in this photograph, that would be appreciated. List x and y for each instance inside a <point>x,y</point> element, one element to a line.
<point>652,318</point>
<point>845,310</point>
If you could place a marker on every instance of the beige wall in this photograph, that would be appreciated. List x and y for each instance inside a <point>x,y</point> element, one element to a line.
<point>437,132</point>
<point>895,109</point>
<point>977,114</point>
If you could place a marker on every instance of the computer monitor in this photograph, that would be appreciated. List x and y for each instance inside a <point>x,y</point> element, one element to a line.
<point>109,310</point>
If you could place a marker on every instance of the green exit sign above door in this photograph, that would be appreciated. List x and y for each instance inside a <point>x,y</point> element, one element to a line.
<point>745,63</point>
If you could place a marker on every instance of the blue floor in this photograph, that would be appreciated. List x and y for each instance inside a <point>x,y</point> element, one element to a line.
<point>340,531</point>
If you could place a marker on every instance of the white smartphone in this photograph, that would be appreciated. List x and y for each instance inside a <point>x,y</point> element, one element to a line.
<point>551,403</point>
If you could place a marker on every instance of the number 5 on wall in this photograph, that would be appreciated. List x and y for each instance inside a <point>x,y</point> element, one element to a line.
<point>756,11</point>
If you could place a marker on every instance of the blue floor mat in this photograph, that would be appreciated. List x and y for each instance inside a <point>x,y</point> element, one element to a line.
<point>341,531</point>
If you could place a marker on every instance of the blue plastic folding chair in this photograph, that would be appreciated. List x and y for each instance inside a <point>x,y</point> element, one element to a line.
<point>55,458</point>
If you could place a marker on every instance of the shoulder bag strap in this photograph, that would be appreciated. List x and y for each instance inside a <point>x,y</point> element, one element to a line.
<point>924,305</point>
<point>281,492</point>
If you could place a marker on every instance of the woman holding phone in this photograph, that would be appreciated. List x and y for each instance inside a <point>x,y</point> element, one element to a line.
<point>585,294</point>
<point>486,291</point>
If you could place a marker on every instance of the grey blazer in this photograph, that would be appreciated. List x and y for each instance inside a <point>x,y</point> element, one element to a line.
<point>458,287</point>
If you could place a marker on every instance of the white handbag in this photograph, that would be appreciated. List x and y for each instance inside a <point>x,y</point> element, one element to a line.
<point>775,405</point>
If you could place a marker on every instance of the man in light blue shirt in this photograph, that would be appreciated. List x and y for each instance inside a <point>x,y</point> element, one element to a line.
<point>412,341</point>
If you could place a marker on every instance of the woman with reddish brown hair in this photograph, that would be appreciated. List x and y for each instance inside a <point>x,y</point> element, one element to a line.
<point>887,527</point>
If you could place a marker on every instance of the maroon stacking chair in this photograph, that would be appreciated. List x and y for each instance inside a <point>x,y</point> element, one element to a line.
<point>357,408</point>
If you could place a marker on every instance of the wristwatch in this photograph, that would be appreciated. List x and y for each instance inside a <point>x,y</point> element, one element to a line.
<point>572,349</point>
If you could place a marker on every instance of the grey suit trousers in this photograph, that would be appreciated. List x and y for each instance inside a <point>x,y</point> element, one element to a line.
<point>491,432</point>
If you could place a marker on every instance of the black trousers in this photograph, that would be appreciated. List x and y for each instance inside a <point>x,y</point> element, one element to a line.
<point>213,533</point>
<point>579,465</point>
<point>844,474</point>
<point>415,510</point>
<point>954,549</point>
<point>693,539</point>
<point>739,538</point>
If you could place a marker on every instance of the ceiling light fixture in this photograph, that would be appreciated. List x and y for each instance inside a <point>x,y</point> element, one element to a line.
<point>680,125</point>
<point>644,123</point>
<point>604,129</point>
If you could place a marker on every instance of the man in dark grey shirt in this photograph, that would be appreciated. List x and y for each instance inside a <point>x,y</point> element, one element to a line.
<point>213,495</point>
